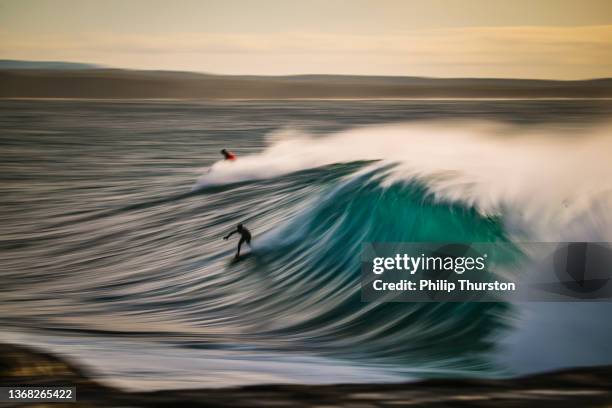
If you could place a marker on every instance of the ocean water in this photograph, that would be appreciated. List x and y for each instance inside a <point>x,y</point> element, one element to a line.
<point>113,214</point>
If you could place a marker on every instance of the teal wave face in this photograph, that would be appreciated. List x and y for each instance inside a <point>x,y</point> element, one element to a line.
<point>311,279</point>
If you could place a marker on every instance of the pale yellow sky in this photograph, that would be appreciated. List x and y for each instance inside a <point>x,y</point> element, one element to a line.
<point>562,39</point>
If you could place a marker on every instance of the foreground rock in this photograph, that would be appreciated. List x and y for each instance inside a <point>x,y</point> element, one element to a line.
<point>583,387</point>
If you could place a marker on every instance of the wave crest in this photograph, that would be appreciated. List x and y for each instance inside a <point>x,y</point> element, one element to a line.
<point>549,184</point>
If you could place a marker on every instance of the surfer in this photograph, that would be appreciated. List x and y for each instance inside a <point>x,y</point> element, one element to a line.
<point>227,155</point>
<point>245,236</point>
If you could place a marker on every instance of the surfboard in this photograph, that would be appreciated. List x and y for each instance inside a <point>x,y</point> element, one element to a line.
<point>242,257</point>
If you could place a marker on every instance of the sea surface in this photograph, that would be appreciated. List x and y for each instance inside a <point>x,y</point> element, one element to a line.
<point>113,215</point>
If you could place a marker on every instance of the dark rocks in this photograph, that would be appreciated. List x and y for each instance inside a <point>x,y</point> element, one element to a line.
<point>580,387</point>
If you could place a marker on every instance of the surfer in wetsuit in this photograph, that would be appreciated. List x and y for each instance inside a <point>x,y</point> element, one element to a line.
<point>227,155</point>
<point>245,236</point>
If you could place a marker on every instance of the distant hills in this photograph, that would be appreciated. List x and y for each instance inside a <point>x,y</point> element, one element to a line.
<point>18,64</point>
<point>24,79</point>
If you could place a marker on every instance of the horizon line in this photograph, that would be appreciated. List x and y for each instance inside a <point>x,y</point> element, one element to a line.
<point>97,66</point>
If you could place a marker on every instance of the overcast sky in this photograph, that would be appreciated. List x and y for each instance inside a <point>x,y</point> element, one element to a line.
<point>562,39</point>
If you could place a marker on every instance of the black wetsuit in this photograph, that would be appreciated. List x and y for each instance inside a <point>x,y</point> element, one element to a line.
<point>245,236</point>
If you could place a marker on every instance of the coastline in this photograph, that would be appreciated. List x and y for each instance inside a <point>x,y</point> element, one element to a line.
<point>585,387</point>
<point>147,84</point>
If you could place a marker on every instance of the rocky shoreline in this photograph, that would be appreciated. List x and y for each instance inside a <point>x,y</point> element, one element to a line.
<point>580,387</point>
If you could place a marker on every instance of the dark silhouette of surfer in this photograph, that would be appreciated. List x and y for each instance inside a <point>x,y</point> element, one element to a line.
<point>245,236</point>
<point>227,155</point>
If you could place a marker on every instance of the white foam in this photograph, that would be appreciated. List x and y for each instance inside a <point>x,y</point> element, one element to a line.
<point>553,184</point>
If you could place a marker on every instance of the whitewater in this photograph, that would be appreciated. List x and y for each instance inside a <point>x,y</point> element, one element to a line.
<point>549,184</point>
